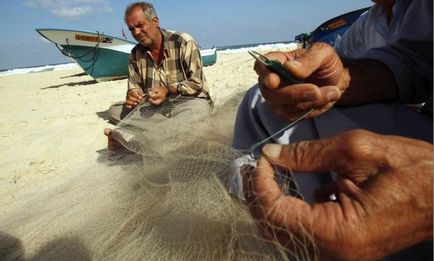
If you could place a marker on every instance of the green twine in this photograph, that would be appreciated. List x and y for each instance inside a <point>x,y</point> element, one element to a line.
<point>257,145</point>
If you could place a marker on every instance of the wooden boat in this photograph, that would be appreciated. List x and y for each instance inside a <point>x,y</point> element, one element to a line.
<point>332,29</point>
<point>209,56</point>
<point>101,56</point>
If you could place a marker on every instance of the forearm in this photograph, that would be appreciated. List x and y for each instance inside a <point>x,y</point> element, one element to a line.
<point>189,86</point>
<point>370,81</point>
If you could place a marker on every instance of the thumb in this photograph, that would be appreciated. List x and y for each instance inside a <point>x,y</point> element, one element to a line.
<point>305,156</point>
<point>310,61</point>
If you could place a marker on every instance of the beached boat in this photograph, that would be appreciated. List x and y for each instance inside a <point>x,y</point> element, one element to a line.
<point>101,56</point>
<point>332,29</point>
<point>209,56</point>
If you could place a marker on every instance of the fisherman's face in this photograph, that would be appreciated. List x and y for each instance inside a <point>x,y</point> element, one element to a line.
<point>143,30</point>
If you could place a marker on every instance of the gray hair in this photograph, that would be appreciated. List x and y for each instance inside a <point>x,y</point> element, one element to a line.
<point>147,8</point>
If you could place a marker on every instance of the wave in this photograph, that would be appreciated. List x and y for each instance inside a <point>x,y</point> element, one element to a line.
<point>42,68</point>
<point>224,49</point>
<point>257,47</point>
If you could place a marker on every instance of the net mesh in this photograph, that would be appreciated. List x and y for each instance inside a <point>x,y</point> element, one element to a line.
<point>187,213</point>
<point>168,200</point>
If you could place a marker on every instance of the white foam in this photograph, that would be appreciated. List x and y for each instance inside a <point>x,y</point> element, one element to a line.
<point>275,46</point>
<point>57,67</point>
<point>66,66</point>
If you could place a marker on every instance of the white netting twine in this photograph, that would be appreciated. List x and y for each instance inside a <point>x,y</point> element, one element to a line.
<point>167,201</point>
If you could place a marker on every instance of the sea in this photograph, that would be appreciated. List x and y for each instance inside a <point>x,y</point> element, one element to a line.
<point>221,49</point>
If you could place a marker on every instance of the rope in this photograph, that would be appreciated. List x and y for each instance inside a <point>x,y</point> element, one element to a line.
<point>94,52</point>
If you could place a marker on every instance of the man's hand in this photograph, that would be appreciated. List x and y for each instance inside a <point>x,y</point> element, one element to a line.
<point>319,67</point>
<point>134,97</point>
<point>157,95</point>
<point>384,191</point>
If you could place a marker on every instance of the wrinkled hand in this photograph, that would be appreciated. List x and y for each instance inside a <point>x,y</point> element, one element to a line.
<point>384,190</point>
<point>157,95</point>
<point>319,67</point>
<point>134,97</point>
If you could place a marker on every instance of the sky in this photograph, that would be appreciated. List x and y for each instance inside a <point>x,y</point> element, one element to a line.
<point>211,23</point>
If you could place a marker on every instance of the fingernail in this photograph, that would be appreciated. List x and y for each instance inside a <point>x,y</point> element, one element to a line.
<point>309,95</point>
<point>332,96</point>
<point>272,150</point>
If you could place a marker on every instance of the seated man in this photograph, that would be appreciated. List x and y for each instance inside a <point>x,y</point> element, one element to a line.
<point>165,69</point>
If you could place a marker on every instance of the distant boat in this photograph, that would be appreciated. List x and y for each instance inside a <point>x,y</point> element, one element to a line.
<point>332,29</point>
<point>101,56</point>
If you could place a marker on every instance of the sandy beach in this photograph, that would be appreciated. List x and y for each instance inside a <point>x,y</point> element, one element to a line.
<point>53,122</point>
<point>52,143</point>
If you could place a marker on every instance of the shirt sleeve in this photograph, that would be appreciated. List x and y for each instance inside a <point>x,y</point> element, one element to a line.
<point>365,33</point>
<point>408,52</point>
<point>194,83</point>
<point>351,44</point>
<point>134,79</point>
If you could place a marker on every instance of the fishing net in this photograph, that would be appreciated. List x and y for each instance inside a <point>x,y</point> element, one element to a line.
<point>168,200</point>
<point>184,211</point>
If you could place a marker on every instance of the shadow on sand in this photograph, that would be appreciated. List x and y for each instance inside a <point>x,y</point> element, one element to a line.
<point>75,75</point>
<point>71,84</point>
<point>103,115</point>
<point>65,248</point>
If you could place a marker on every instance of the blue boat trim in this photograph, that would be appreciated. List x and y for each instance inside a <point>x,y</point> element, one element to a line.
<point>332,29</point>
<point>100,63</point>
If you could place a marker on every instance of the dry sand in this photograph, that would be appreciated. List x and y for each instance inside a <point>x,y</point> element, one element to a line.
<point>52,132</point>
<point>53,122</point>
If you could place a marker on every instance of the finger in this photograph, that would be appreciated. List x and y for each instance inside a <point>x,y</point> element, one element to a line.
<point>136,94</point>
<point>270,80</point>
<point>247,173</point>
<point>289,112</point>
<point>315,57</point>
<point>280,211</point>
<point>356,152</point>
<point>152,101</point>
<point>152,93</point>
<point>305,156</point>
<point>133,99</point>
<point>107,131</point>
<point>329,94</point>
<point>266,77</point>
<point>348,187</point>
<point>260,69</point>
<point>155,101</point>
<point>131,102</point>
<point>293,94</point>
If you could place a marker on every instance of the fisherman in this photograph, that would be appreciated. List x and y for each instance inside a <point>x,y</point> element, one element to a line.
<point>373,88</point>
<point>257,120</point>
<point>164,67</point>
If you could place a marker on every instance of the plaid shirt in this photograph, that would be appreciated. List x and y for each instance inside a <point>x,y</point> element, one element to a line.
<point>181,66</point>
